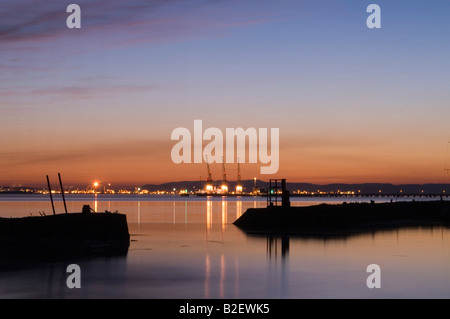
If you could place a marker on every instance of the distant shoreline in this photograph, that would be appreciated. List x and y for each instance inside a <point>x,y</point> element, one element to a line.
<point>259,195</point>
<point>252,186</point>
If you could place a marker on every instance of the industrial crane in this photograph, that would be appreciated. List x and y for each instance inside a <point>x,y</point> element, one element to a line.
<point>238,184</point>
<point>209,181</point>
<point>224,180</point>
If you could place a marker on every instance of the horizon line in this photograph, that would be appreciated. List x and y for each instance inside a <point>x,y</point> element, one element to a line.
<point>128,184</point>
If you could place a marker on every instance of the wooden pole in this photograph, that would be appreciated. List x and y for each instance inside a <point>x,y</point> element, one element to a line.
<point>62,192</point>
<point>51,196</point>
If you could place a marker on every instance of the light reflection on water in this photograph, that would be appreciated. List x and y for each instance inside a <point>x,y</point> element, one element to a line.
<point>190,249</point>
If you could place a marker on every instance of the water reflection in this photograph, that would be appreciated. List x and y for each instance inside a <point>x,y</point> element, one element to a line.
<point>139,212</point>
<point>207,275</point>
<point>278,246</point>
<point>171,257</point>
<point>222,276</point>
<point>174,219</point>
<point>276,243</point>
<point>238,207</point>
<point>209,205</point>
<point>38,279</point>
<point>236,276</point>
<point>224,212</point>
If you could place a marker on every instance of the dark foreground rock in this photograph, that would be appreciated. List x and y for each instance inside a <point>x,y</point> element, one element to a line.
<point>62,235</point>
<point>344,218</point>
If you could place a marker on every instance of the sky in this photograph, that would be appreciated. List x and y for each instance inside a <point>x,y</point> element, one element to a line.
<point>352,104</point>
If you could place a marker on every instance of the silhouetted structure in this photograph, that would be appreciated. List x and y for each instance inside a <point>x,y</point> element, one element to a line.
<point>58,235</point>
<point>75,234</point>
<point>277,189</point>
<point>62,192</point>
<point>51,196</point>
<point>344,218</point>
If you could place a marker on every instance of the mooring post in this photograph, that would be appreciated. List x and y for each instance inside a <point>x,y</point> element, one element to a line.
<point>62,192</point>
<point>51,196</point>
<point>86,209</point>
<point>285,202</point>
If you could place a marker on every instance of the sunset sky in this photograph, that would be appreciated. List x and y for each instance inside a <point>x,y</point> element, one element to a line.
<point>353,104</point>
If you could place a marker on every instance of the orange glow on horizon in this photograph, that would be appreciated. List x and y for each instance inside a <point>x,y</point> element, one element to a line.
<point>313,162</point>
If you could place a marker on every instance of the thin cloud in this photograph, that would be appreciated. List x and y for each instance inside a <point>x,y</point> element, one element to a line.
<point>144,149</point>
<point>31,33</point>
<point>88,92</point>
<point>161,19</point>
<point>75,92</point>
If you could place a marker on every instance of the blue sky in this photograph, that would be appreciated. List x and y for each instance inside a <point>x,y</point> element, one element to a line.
<point>352,104</point>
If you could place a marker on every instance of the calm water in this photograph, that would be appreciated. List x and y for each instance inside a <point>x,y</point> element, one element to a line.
<point>188,248</point>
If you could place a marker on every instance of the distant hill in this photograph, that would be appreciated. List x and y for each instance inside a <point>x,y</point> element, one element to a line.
<point>367,188</point>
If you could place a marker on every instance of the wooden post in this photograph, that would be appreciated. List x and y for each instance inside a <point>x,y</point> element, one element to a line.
<point>51,196</point>
<point>62,192</point>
